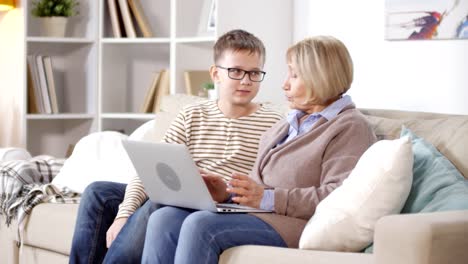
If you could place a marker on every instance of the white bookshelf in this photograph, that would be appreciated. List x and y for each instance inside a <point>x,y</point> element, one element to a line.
<point>59,40</point>
<point>74,63</point>
<point>102,80</point>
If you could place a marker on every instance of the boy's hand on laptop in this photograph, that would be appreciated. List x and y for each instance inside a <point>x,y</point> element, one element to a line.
<point>216,186</point>
<point>114,230</point>
<point>246,191</point>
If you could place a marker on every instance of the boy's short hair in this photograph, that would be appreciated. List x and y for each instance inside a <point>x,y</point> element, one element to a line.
<point>238,40</point>
<point>325,66</point>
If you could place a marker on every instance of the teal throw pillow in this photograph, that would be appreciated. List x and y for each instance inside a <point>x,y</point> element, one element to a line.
<point>437,184</point>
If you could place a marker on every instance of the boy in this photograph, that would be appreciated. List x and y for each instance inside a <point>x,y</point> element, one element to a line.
<point>222,136</point>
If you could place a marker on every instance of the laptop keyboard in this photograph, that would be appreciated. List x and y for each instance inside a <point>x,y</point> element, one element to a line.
<point>233,206</point>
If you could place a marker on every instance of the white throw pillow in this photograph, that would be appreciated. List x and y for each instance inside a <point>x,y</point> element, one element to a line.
<point>378,186</point>
<point>99,156</point>
<point>143,132</point>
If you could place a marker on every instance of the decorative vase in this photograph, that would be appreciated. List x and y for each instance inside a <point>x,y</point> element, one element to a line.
<point>54,26</point>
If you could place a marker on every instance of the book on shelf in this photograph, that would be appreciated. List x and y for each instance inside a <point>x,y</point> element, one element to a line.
<point>148,103</point>
<point>194,81</point>
<point>69,151</point>
<point>114,18</point>
<point>47,60</point>
<point>33,107</point>
<point>36,83</point>
<point>141,18</point>
<point>43,85</point>
<point>161,90</point>
<point>127,19</point>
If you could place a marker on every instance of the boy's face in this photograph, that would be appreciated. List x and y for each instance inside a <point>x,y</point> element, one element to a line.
<point>237,92</point>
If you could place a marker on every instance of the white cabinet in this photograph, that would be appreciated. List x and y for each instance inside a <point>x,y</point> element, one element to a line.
<point>75,68</point>
<point>101,81</point>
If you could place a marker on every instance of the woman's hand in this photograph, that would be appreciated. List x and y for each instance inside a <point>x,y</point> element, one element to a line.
<point>246,191</point>
<point>216,186</point>
<point>114,230</point>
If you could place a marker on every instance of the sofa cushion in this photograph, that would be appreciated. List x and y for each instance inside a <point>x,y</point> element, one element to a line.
<point>162,122</point>
<point>377,186</point>
<point>264,254</point>
<point>447,134</point>
<point>51,227</point>
<point>175,102</point>
<point>154,130</point>
<point>39,255</point>
<point>437,184</point>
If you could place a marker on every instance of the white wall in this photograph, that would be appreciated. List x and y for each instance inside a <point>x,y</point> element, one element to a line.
<point>429,76</point>
<point>11,78</point>
<point>273,27</point>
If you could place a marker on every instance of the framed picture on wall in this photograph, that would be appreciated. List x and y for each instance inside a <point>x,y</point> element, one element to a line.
<point>212,17</point>
<point>426,19</point>
<point>207,24</point>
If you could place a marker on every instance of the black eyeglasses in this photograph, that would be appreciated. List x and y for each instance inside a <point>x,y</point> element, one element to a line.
<point>239,74</point>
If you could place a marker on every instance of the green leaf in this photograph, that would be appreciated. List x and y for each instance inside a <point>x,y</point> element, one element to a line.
<point>43,8</point>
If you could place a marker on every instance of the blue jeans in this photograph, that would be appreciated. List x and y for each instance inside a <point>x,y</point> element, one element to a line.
<point>98,208</point>
<point>178,235</point>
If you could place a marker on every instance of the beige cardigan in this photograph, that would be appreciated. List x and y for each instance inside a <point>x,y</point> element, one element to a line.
<point>306,169</point>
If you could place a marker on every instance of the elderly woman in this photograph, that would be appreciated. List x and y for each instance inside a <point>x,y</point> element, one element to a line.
<point>300,161</point>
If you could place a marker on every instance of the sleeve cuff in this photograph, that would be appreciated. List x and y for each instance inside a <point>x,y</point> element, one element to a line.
<point>268,200</point>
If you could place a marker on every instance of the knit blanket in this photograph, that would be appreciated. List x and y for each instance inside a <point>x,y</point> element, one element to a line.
<point>26,183</point>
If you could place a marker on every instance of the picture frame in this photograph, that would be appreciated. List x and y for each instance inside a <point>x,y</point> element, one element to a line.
<point>211,26</point>
<point>207,23</point>
<point>426,19</point>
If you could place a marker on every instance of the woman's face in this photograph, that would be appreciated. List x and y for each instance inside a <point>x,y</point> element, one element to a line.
<point>295,89</point>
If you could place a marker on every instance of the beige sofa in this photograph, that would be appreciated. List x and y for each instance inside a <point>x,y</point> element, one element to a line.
<point>418,238</point>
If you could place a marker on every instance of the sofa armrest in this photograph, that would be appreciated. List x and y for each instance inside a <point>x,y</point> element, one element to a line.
<point>440,237</point>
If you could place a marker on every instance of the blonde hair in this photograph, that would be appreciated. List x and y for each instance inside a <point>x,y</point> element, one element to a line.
<point>325,66</point>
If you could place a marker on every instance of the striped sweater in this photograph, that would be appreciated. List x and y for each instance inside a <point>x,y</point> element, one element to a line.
<point>217,144</point>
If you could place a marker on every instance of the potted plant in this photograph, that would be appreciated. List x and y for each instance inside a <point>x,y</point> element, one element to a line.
<point>54,15</point>
<point>210,90</point>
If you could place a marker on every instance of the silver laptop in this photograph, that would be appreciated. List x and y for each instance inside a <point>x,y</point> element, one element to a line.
<point>171,177</point>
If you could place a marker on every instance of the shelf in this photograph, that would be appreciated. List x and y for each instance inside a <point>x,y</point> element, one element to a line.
<point>60,40</point>
<point>80,28</point>
<point>156,11</point>
<point>59,116</point>
<point>53,136</point>
<point>127,116</point>
<point>128,72</point>
<point>201,58</point>
<point>101,81</point>
<point>195,40</point>
<point>75,73</point>
<point>134,40</point>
